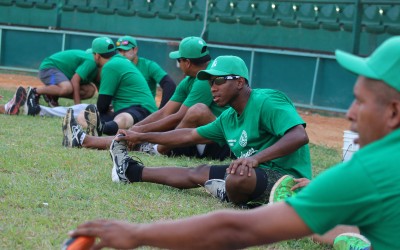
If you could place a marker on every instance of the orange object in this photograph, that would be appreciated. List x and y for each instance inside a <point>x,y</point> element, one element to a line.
<point>79,243</point>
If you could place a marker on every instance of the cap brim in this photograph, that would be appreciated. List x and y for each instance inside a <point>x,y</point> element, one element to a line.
<point>174,55</point>
<point>206,74</point>
<point>355,64</point>
<point>124,47</point>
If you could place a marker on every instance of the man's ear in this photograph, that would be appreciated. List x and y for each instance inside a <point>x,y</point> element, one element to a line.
<point>241,82</point>
<point>394,118</point>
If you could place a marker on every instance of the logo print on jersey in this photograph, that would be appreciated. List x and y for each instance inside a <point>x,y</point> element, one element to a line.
<point>243,139</point>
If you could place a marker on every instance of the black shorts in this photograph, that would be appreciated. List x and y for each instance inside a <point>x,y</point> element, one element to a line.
<point>137,112</point>
<point>212,150</point>
<point>266,179</point>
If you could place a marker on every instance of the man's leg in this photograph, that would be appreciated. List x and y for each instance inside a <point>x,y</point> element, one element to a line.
<point>62,111</point>
<point>127,169</point>
<point>254,190</point>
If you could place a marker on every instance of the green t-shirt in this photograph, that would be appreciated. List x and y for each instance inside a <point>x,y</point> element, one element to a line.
<point>72,61</point>
<point>191,91</point>
<point>364,192</point>
<point>152,72</point>
<point>124,82</point>
<point>267,116</point>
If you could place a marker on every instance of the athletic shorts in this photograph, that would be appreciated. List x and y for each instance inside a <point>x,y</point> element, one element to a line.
<point>137,112</point>
<point>212,150</point>
<point>266,179</point>
<point>52,76</point>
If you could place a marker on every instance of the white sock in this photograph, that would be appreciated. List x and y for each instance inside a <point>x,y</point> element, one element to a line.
<point>200,148</point>
<point>155,146</point>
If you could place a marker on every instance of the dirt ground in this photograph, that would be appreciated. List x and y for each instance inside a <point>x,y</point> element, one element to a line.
<point>321,129</point>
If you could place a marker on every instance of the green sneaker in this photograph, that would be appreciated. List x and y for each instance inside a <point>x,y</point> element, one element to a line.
<point>281,189</point>
<point>351,241</point>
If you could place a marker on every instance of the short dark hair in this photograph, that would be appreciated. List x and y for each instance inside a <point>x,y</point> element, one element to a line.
<point>108,54</point>
<point>200,61</point>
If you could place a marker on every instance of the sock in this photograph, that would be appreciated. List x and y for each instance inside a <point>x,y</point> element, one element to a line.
<point>134,172</point>
<point>110,128</point>
<point>155,147</point>
<point>82,138</point>
<point>7,107</point>
<point>200,148</point>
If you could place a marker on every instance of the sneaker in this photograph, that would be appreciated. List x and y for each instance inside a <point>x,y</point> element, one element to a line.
<point>216,187</point>
<point>52,101</point>
<point>121,161</point>
<point>31,106</point>
<point>18,100</point>
<point>351,241</point>
<point>281,189</point>
<point>92,117</point>
<point>146,147</point>
<point>71,130</point>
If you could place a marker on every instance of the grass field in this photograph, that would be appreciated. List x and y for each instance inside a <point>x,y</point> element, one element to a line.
<point>47,190</point>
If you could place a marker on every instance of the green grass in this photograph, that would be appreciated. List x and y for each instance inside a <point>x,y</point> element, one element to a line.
<point>47,190</point>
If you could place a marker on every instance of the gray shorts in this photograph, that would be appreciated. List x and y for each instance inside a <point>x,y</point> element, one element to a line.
<point>52,76</point>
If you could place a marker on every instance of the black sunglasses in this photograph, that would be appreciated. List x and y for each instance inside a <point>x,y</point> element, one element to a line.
<point>180,59</point>
<point>221,80</point>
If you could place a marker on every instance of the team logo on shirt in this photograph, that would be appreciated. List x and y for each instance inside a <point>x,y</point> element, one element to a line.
<point>243,139</point>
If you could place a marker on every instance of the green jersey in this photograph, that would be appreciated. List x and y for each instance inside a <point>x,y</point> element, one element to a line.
<point>191,91</point>
<point>124,82</point>
<point>266,118</point>
<point>364,192</point>
<point>152,72</point>
<point>72,61</point>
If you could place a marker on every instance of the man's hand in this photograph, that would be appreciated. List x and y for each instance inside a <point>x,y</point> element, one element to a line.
<point>112,234</point>
<point>301,182</point>
<point>242,166</point>
<point>131,137</point>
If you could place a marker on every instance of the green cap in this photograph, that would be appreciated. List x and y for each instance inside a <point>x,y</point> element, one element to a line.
<point>102,45</point>
<point>126,43</point>
<point>190,47</point>
<point>223,66</point>
<point>383,64</point>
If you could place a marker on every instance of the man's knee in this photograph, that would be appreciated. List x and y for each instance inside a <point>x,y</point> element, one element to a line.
<point>196,111</point>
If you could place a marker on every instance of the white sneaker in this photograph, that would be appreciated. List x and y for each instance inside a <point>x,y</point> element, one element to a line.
<point>216,187</point>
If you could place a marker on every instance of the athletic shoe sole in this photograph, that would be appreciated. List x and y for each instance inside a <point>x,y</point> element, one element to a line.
<point>66,124</point>
<point>91,120</point>
<point>19,100</point>
<point>278,185</point>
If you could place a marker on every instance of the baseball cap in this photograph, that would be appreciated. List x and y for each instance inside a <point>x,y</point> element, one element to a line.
<point>126,43</point>
<point>102,45</point>
<point>190,47</point>
<point>223,66</point>
<point>383,64</point>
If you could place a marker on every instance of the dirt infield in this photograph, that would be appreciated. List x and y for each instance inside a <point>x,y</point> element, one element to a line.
<point>322,130</point>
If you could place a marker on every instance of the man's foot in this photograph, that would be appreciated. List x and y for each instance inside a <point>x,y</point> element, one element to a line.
<point>52,101</point>
<point>31,106</point>
<point>146,147</point>
<point>71,130</point>
<point>216,187</point>
<point>18,100</point>
<point>92,117</point>
<point>281,189</point>
<point>351,241</point>
<point>121,161</point>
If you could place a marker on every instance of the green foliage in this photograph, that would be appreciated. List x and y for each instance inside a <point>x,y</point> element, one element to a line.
<point>47,190</point>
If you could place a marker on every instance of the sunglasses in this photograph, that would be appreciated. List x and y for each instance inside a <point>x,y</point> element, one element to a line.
<point>124,42</point>
<point>221,80</point>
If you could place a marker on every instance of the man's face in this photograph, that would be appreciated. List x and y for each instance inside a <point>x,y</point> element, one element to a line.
<point>130,54</point>
<point>224,90</point>
<point>367,114</point>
